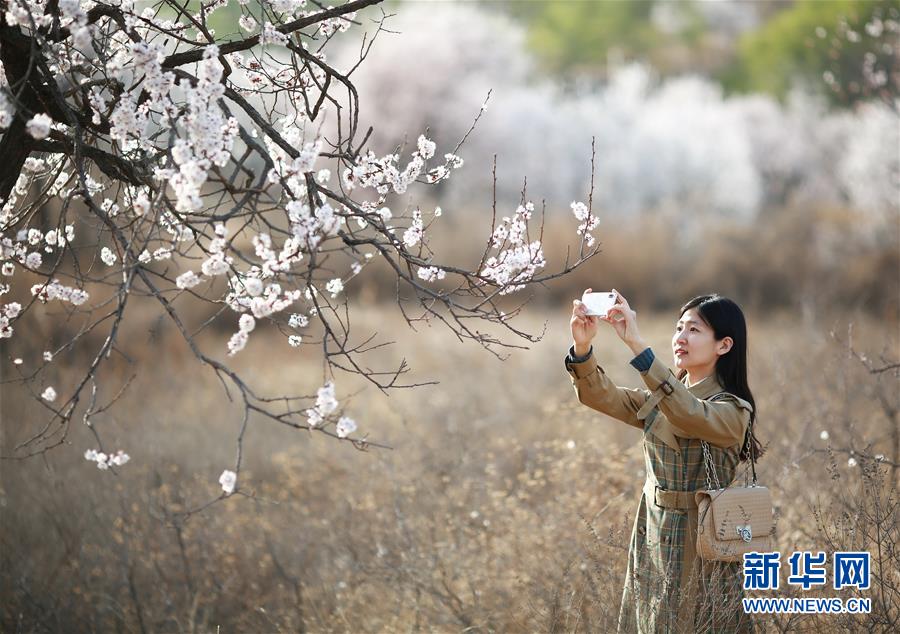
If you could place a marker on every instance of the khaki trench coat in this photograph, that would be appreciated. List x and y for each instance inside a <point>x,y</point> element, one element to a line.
<point>668,588</point>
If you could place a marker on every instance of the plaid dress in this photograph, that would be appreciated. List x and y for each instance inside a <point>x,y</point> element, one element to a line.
<point>667,587</point>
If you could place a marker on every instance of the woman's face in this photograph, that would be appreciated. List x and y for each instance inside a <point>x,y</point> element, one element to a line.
<point>694,344</point>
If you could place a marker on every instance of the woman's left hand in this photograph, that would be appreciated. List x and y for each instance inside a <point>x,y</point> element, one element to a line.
<point>625,326</point>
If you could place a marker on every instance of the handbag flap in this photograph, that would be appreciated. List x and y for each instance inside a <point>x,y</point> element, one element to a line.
<point>741,512</point>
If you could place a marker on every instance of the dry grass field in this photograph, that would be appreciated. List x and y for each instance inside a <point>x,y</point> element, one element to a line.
<point>503,505</point>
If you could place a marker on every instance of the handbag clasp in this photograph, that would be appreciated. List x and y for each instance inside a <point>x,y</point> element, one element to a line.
<point>745,532</point>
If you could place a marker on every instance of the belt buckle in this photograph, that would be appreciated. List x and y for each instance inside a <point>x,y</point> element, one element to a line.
<point>656,490</point>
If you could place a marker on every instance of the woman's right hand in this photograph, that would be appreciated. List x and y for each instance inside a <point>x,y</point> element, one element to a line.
<point>584,327</point>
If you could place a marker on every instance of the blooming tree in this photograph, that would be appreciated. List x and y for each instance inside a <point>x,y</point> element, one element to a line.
<point>145,156</point>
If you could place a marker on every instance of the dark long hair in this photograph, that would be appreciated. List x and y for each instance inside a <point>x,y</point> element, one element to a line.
<point>727,320</point>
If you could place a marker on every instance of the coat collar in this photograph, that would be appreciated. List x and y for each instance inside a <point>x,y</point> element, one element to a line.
<point>704,388</point>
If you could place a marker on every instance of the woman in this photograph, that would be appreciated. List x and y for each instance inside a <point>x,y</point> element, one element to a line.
<point>668,588</point>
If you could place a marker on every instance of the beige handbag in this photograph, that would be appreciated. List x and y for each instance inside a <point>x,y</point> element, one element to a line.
<point>735,520</point>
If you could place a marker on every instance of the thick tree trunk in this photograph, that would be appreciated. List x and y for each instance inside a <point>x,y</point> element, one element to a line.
<point>15,146</point>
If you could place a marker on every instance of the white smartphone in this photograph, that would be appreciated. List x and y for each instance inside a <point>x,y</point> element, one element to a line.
<point>598,304</point>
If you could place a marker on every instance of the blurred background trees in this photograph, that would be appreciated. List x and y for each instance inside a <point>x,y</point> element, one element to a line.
<point>762,46</point>
<point>715,123</point>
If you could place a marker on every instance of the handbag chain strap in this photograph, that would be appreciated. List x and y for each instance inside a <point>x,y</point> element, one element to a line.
<point>711,475</point>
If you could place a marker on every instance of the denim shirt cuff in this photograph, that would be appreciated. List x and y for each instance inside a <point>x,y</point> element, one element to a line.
<point>643,361</point>
<point>573,358</point>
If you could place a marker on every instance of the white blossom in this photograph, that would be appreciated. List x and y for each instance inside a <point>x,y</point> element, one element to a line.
<point>39,126</point>
<point>141,205</point>
<point>345,426</point>
<point>228,479</point>
<point>188,279</point>
<point>108,257</point>
<point>426,147</point>
<point>295,340</point>
<point>247,323</point>
<point>216,264</point>
<point>298,321</point>
<point>247,23</point>
<point>334,286</point>
<point>49,395</point>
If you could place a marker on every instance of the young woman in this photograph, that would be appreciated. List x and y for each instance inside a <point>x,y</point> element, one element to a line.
<point>667,587</point>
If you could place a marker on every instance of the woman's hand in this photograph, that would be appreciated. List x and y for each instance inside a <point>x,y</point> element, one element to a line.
<point>624,320</point>
<point>584,327</point>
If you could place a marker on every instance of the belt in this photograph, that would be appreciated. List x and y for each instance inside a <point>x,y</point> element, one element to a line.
<point>663,498</point>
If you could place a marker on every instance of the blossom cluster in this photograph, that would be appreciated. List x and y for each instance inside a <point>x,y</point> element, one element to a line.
<point>271,35</point>
<point>238,340</point>
<point>383,174</point>
<point>431,273</point>
<point>22,14</point>
<point>209,135</point>
<point>10,311</point>
<point>288,168</point>
<point>515,265</point>
<point>37,168</point>
<point>19,250</point>
<point>250,292</point>
<point>216,264</point>
<point>588,220</point>
<point>415,233</point>
<point>340,24</point>
<point>325,404</point>
<point>55,290</point>
<point>308,228</point>
<point>105,461</point>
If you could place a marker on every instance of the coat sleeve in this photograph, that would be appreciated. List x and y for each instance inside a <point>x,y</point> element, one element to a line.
<point>722,422</point>
<point>597,391</point>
